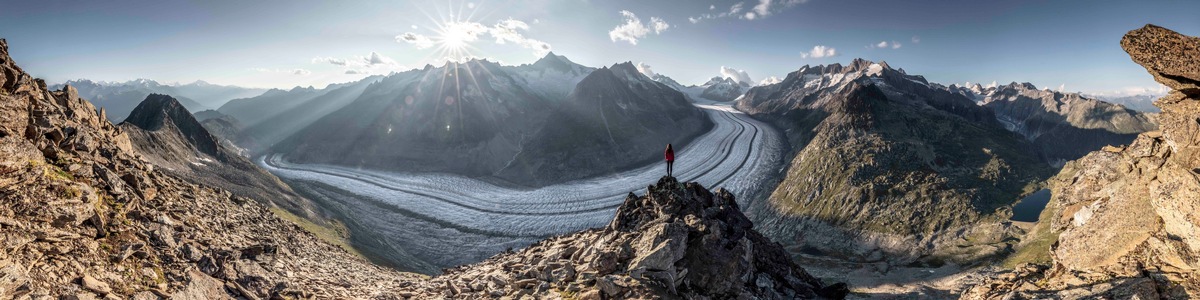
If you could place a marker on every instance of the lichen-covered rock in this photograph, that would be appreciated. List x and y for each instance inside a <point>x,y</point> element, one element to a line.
<point>1127,219</point>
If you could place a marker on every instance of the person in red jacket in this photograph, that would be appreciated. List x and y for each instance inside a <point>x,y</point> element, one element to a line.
<point>670,155</point>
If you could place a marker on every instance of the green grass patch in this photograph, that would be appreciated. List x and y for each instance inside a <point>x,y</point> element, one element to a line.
<point>1036,246</point>
<point>336,234</point>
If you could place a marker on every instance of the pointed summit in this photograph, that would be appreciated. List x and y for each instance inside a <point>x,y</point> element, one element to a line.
<point>160,112</point>
<point>556,62</point>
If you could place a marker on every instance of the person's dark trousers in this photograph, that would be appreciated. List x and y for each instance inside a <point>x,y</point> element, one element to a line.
<point>670,168</point>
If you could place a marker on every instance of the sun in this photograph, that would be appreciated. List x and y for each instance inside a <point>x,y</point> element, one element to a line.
<point>457,36</point>
<point>456,31</point>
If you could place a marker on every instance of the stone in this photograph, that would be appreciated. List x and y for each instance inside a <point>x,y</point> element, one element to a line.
<point>92,284</point>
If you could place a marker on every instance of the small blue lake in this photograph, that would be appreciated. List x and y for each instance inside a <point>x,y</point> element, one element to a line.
<point>1029,208</point>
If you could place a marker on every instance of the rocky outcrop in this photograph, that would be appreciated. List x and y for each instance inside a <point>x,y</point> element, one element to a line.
<point>82,216</point>
<point>677,241</point>
<point>159,111</point>
<point>1124,219</point>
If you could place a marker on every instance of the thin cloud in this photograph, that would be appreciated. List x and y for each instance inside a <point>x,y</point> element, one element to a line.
<point>916,39</point>
<point>301,72</point>
<point>646,69</point>
<point>329,60</point>
<point>417,40</point>
<point>885,45</point>
<point>820,51</point>
<point>632,29</point>
<point>760,10</point>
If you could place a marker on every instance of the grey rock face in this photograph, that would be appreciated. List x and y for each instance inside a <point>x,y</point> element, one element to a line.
<point>1120,218</point>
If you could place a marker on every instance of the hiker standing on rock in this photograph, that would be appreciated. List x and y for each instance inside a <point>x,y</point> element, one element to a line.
<point>670,155</point>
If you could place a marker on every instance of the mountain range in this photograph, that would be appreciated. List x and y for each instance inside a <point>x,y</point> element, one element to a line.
<point>119,98</point>
<point>1065,126</point>
<point>866,138</point>
<point>550,121</point>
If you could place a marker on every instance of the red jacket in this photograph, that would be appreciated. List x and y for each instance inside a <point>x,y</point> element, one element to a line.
<point>669,154</point>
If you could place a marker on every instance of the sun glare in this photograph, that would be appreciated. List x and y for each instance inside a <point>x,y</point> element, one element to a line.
<point>456,32</point>
<point>457,35</point>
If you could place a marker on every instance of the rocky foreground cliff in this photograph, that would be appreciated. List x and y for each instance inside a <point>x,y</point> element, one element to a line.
<point>83,216</point>
<point>1124,223</point>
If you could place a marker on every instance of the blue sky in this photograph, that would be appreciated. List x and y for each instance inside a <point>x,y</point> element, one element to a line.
<point>287,43</point>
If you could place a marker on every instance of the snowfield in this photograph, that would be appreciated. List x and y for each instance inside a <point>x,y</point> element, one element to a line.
<point>739,154</point>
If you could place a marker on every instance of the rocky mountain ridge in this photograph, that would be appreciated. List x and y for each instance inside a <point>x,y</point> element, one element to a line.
<point>1122,222</point>
<point>120,98</point>
<point>166,135</point>
<point>1065,126</point>
<point>885,166</point>
<point>483,119</point>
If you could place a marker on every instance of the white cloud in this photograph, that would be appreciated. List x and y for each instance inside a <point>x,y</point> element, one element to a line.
<point>712,7</point>
<point>354,72</point>
<point>645,69</point>
<point>301,72</point>
<point>766,8</point>
<point>471,5</point>
<point>417,40</point>
<point>885,45</point>
<point>763,8</point>
<point>916,39</point>
<point>736,75</point>
<point>1062,87</point>
<point>992,85</point>
<point>659,25</point>
<point>820,51</point>
<point>632,29</point>
<point>770,80</point>
<point>509,31</point>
